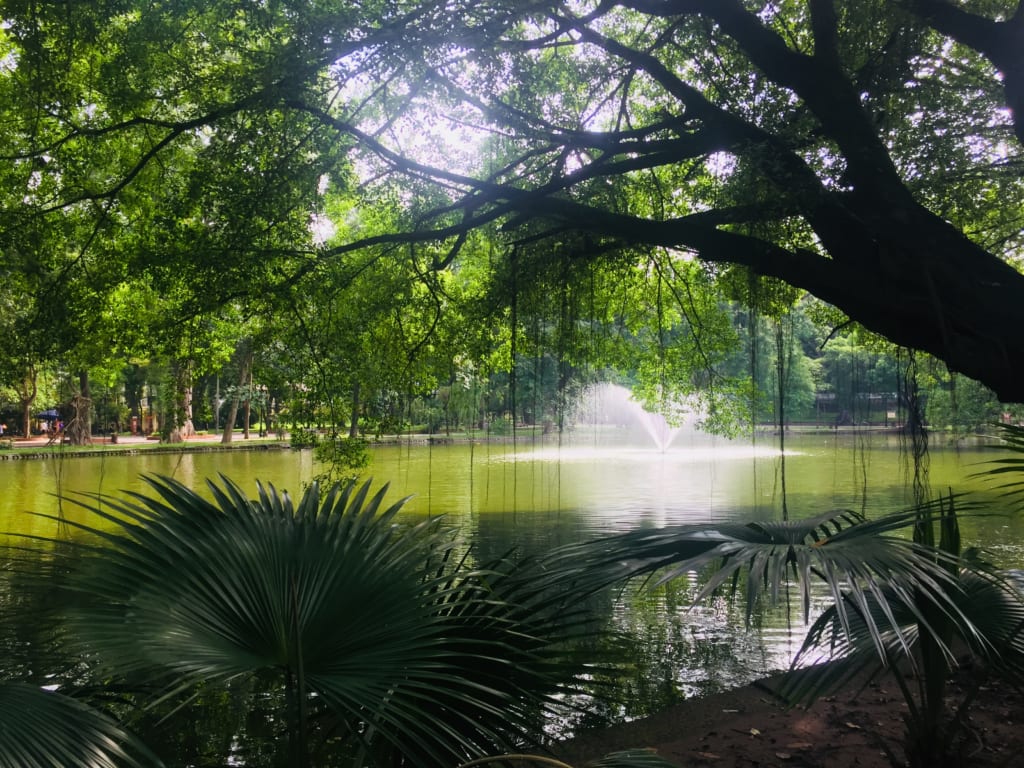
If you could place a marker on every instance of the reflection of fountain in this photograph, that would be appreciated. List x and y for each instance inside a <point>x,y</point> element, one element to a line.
<point>612,406</point>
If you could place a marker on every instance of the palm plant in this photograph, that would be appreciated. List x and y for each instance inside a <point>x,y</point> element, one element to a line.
<point>382,638</point>
<point>980,630</point>
<point>898,603</point>
<point>41,728</point>
<point>1009,469</point>
<point>44,723</point>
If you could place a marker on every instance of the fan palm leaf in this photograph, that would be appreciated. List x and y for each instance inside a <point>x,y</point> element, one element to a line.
<point>992,604</point>
<point>871,574</point>
<point>41,729</point>
<point>635,758</point>
<point>897,601</point>
<point>383,627</point>
<point>1006,471</point>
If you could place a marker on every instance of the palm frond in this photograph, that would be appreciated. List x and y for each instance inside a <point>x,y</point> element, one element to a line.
<point>993,610</point>
<point>41,729</point>
<point>866,568</point>
<point>833,656</point>
<point>382,626</point>
<point>1012,439</point>
<point>634,758</point>
<point>994,603</point>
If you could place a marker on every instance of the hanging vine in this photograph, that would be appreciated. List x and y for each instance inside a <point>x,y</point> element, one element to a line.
<point>782,367</point>
<point>514,322</point>
<point>915,434</point>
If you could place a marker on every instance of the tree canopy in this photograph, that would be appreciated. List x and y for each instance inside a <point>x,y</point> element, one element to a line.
<point>865,151</point>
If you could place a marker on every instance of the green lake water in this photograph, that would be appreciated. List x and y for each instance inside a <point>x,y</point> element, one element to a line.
<point>550,490</point>
<point>539,494</point>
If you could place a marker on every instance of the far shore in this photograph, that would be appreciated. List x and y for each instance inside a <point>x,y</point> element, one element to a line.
<point>14,447</point>
<point>41,447</point>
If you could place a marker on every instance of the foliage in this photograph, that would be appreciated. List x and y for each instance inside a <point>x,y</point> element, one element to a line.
<point>382,637</point>
<point>896,603</point>
<point>835,547</point>
<point>960,405</point>
<point>303,438</point>
<point>986,626</point>
<point>41,728</point>
<point>578,185</point>
<point>343,457</point>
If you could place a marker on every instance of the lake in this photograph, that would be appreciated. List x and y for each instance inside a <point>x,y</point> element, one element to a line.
<point>539,494</point>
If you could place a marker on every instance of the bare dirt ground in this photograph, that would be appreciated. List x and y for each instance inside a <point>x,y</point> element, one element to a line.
<point>751,728</point>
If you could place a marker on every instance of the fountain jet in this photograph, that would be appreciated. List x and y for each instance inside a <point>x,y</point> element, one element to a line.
<point>612,405</point>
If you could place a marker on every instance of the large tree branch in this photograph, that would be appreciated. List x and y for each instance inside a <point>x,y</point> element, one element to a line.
<point>735,133</point>
<point>827,91</point>
<point>966,317</point>
<point>825,26</point>
<point>1002,42</point>
<point>841,229</point>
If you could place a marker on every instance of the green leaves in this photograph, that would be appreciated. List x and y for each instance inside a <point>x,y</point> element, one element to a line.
<point>39,729</point>
<point>1005,472</point>
<point>895,604</point>
<point>882,586</point>
<point>381,626</point>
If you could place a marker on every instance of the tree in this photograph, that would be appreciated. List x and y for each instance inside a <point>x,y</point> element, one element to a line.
<point>866,152</point>
<point>796,139</point>
<point>201,220</point>
<point>846,148</point>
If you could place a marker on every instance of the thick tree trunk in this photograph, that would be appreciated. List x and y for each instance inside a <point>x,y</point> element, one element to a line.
<point>79,428</point>
<point>183,426</point>
<point>26,415</point>
<point>929,288</point>
<point>893,265</point>
<point>247,409</point>
<point>229,421</point>
<point>188,428</point>
<point>27,392</point>
<point>243,380</point>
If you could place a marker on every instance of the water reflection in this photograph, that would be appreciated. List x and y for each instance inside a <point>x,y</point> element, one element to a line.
<point>534,496</point>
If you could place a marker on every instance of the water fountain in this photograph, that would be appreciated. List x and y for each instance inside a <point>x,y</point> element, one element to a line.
<point>612,406</point>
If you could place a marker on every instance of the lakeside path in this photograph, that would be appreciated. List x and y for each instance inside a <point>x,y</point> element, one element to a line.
<point>860,726</point>
<point>39,447</point>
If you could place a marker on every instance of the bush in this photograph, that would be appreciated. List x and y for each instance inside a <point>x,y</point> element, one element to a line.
<point>303,438</point>
<point>343,457</point>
